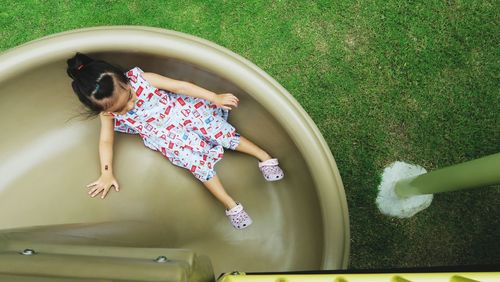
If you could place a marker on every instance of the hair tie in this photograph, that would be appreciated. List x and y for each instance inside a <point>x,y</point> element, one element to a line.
<point>97,88</point>
<point>80,66</point>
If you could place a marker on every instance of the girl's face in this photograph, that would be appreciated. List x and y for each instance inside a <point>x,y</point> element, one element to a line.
<point>123,99</point>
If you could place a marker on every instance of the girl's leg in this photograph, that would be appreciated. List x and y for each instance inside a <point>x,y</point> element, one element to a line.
<point>246,146</point>
<point>237,216</point>
<point>215,187</point>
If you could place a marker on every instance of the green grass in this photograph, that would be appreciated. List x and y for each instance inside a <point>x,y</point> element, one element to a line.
<point>415,81</point>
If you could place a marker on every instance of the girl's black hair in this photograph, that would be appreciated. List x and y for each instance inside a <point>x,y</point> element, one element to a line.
<point>91,80</point>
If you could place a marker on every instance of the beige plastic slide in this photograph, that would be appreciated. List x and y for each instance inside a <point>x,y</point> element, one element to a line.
<point>47,156</point>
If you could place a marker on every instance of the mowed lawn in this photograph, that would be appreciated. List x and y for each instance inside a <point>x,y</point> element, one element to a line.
<point>415,81</point>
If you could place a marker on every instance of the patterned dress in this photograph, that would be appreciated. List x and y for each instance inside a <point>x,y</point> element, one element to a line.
<point>191,132</point>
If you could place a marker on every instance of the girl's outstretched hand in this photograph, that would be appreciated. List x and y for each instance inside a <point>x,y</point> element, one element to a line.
<point>225,100</point>
<point>103,184</point>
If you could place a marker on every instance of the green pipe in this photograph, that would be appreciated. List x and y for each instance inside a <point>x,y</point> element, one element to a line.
<point>472,174</point>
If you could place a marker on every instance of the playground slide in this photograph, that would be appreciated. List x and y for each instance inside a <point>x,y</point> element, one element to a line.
<point>48,156</point>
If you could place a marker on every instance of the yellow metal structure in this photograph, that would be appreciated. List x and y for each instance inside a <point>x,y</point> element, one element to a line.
<point>365,277</point>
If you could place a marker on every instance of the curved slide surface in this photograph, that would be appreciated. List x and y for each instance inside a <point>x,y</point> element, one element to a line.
<point>48,156</point>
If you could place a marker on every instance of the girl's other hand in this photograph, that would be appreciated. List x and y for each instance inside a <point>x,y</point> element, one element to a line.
<point>225,100</point>
<point>103,184</point>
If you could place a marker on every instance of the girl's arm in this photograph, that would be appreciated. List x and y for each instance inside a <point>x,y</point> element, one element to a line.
<point>106,143</point>
<point>190,89</point>
<point>178,86</point>
<point>104,183</point>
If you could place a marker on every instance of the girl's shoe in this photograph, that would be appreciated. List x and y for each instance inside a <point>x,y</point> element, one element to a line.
<point>238,217</point>
<point>271,170</point>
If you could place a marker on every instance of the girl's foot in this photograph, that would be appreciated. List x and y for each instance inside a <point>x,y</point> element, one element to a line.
<point>238,217</point>
<point>271,170</point>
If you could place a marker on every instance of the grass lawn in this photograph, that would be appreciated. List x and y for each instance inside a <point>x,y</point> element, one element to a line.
<point>416,81</point>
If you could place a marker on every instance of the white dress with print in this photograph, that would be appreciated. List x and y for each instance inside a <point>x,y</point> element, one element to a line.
<point>191,132</point>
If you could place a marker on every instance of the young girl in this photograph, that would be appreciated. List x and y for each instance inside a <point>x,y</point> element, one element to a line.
<point>190,129</point>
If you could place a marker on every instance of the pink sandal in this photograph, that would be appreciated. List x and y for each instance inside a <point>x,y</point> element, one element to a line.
<point>271,170</point>
<point>238,217</point>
